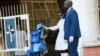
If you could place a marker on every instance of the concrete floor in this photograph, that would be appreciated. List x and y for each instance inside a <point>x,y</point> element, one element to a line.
<point>51,51</point>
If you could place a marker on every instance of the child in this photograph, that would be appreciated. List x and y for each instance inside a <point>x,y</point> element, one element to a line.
<point>37,40</point>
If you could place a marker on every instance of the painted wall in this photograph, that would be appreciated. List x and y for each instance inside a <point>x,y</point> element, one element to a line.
<point>87,17</point>
<point>88,21</point>
<point>92,51</point>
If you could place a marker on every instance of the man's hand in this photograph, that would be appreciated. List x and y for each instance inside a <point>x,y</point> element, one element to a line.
<point>71,39</point>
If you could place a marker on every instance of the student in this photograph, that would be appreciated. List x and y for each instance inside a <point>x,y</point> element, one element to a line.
<point>37,40</point>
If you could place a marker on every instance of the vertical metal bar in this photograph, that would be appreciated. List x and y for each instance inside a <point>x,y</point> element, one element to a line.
<point>25,28</point>
<point>8,10</point>
<point>32,8</point>
<point>18,24</point>
<point>2,33</point>
<point>0,12</point>
<point>17,9</point>
<point>12,10</point>
<point>3,11</point>
<point>26,7</point>
<point>28,31</point>
<point>41,10</point>
<point>35,12</point>
<point>21,32</point>
<point>47,9</point>
<point>23,8</point>
<point>53,10</point>
<point>21,24</point>
<point>20,8</point>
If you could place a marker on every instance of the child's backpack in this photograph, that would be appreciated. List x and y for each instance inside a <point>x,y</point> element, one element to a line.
<point>35,37</point>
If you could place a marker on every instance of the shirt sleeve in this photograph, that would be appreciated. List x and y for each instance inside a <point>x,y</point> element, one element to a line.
<point>53,28</point>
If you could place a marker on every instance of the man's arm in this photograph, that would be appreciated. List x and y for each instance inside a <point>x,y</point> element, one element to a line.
<point>74,23</point>
<point>65,29</point>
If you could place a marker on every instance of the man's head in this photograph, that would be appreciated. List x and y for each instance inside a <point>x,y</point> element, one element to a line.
<point>68,4</point>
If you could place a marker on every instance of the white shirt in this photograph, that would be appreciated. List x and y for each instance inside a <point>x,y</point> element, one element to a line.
<point>61,44</point>
<point>69,9</point>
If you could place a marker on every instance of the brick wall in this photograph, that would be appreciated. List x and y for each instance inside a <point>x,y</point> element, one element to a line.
<point>91,51</point>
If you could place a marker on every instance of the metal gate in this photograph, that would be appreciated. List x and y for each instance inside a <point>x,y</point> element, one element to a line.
<point>14,26</point>
<point>14,32</point>
<point>14,29</point>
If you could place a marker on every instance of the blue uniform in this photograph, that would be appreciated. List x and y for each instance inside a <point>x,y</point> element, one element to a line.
<point>71,28</point>
<point>30,52</point>
<point>37,45</point>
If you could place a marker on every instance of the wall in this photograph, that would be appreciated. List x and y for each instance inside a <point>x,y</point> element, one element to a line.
<point>93,51</point>
<point>88,21</point>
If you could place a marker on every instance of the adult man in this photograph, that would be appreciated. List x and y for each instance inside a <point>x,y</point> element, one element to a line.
<point>71,28</point>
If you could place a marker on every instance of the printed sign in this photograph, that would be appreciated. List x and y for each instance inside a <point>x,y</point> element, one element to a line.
<point>10,33</point>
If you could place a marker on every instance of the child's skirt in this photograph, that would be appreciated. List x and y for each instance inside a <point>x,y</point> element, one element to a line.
<point>30,53</point>
<point>36,47</point>
<point>39,47</point>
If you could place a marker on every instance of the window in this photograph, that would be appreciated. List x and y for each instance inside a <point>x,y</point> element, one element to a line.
<point>42,11</point>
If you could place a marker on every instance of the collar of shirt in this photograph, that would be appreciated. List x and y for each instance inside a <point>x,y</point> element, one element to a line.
<point>69,9</point>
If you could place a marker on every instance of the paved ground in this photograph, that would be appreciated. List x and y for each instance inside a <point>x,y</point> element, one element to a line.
<point>51,51</point>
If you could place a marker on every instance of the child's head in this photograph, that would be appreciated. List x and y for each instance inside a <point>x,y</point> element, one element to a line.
<point>39,26</point>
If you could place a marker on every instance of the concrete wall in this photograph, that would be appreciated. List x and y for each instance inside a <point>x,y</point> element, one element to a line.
<point>87,17</point>
<point>88,21</point>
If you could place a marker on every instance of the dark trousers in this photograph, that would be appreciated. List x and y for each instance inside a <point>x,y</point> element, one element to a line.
<point>72,47</point>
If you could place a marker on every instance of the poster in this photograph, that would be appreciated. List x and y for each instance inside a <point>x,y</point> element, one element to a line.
<point>10,33</point>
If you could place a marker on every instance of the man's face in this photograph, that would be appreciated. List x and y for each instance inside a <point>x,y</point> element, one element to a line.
<point>65,4</point>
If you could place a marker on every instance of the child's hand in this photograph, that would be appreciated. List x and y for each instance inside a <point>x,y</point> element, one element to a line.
<point>45,36</point>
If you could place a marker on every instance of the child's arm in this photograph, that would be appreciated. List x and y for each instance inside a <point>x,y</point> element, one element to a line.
<point>45,36</point>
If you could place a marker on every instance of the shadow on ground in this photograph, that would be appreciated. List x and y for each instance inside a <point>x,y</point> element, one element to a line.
<point>51,51</point>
